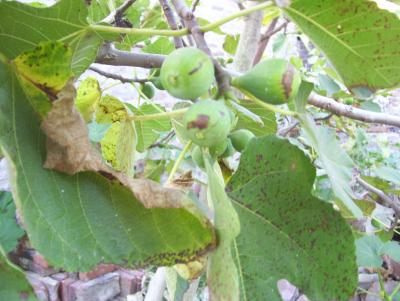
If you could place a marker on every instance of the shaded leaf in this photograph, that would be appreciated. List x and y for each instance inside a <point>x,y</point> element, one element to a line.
<point>267,117</point>
<point>336,162</point>
<point>87,217</point>
<point>222,274</point>
<point>148,131</point>
<point>13,284</point>
<point>369,251</point>
<point>10,232</point>
<point>286,233</point>
<point>22,27</point>
<point>388,174</point>
<point>358,38</point>
<point>230,44</point>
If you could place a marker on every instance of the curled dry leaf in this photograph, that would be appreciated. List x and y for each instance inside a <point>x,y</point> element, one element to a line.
<point>70,151</point>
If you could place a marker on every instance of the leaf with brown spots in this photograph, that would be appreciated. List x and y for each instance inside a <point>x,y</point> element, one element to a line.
<point>359,39</point>
<point>286,233</point>
<point>95,215</point>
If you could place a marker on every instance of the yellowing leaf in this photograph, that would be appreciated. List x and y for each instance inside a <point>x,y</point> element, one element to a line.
<point>110,109</point>
<point>87,97</point>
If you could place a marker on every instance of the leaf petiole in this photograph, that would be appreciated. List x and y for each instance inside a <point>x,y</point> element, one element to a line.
<point>158,115</point>
<point>179,161</point>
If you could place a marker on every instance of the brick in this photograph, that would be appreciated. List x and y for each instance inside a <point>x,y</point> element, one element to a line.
<point>39,288</point>
<point>130,281</point>
<point>39,260</point>
<point>100,270</point>
<point>102,288</point>
<point>60,276</point>
<point>52,286</point>
<point>66,292</point>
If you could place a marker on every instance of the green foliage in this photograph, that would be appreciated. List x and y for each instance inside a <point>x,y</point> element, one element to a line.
<point>337,164</point>
<point>10,232</point>
<point>360,43</point>
<point>222,274</point>
<point>93,218</point>
<point>13,284</point>
<point>282,223</point>
<point>187,73</point>
<point>370,250</point>
<point>87,97</point>
<point>148,131</point>
<point>48,24</point>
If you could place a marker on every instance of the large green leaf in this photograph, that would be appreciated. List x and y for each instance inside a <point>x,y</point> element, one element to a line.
<point>10,232</point>
<point>13,284</point>
<point>81,220</point>
<point>22,27</point>
<point>286,233</point>
<point>360,39</point>
<point>336,162</point>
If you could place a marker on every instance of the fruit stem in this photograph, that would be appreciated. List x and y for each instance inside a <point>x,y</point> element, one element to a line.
<point>179,161</point>
<point>241,13</point>
<point>181,32</point>
<point>267,105</point>
<point>157,116</point>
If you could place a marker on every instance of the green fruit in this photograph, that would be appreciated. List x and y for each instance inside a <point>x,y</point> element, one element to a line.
<point>274,81</point>
<point>197,156</point>
<point>207,122</point>
<point>229,151</point>
<point>187,73</point>
<point>240,139</point>
<point>147,90</point>
<point>218,149</point>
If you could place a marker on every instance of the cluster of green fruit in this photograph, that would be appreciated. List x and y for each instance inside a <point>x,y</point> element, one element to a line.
<point>188,73</point>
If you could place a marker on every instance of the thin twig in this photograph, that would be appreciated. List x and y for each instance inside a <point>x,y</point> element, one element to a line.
<point>340,109</point>
<point>287,130</point>
<point>164,140</point>
<point>119,12</point>
<point>118,77</point>
<point>194,5</point>
<point>265,38</point>
<point>169,15</point>
<point>264,41</point>
<point>386,200</point>
<point>110,56</point>
<point>223,78</point>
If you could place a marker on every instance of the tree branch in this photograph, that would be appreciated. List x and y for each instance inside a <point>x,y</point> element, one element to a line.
<point>169,15</point>
<point>386,200</point>
<point>264,40</point>
<point>121,78</point>
<point>352,112</point>
<point>249,39</point>
<point>119,12</point>
<point>110,56</point>
<point>223,78</point>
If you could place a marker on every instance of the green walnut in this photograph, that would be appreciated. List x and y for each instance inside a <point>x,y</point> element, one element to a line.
<point>240,139</point>
<point>274,81</point>
<point>207,122</point>
<point>187,73</point>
